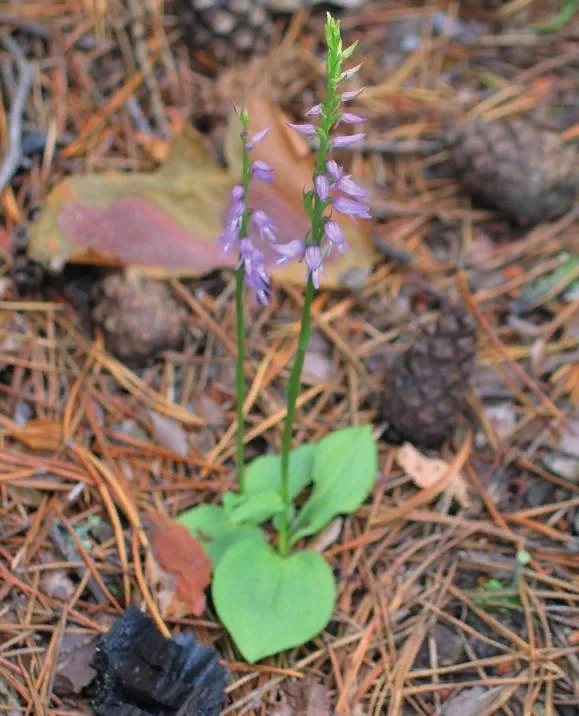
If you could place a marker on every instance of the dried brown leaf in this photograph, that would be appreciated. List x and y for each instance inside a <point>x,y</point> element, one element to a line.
<point>426,471</point>
<point>180,556</point>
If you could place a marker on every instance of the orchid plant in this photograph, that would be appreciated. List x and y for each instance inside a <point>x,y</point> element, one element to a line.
<point>274,598</point>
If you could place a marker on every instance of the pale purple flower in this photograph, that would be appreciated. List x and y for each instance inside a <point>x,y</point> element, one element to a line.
<point>290,251</point>
<point>349,187</point>
<point>322,186</point>
<point>309,130</point>
<point>335,237</point>
<point>349,118</point>
<point>334,170</point>
<point>347,141</point>
<point>313,258</point>
<point>350,207</point>
<point>315,111</point>
<point>257,138</point>
<point>264,224</point>
<point>228,238</point>
<point>256,277</point>
<point>237,193</point>
<point>347,96</point>
<point>233,220</point>
<point>262,172</point>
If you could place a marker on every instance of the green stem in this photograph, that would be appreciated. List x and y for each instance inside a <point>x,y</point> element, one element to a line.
<point>292,396</point>
<point>239,374</point>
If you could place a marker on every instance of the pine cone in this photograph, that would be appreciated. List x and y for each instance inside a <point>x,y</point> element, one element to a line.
<point>139,318</point>
<point>526,173</point>
<point>427,385</point>
<point>226,29</point>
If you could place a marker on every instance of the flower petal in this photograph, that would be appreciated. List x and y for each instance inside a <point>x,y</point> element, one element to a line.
<point>347,141</point>
<point>292,250</point>
<point>264,224</point>
<point>322,186</point>
<point>313,258</point>
<point>348,186</point>
<point>335,237</point>
<point>350,207</point>
<point>262,172</point>
<point>257,138</point>
<point>349,118</point>
<point>309,130</point>
<point>347,96</point>
<point>334,170</point>
<point>315,111</point>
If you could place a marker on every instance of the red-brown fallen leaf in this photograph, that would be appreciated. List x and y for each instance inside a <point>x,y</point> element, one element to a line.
<point>179,555</point>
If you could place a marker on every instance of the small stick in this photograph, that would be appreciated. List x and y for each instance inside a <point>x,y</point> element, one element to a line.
<point>14,155</point>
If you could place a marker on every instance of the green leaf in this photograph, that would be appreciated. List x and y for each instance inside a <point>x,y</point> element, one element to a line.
<point>216,533</point>
<point>345,467</point>
<point>270,603</point>
<point>264,473</point>
<point>253,508</point>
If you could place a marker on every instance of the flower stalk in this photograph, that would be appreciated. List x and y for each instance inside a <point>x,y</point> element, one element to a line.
<point>316,202</point>
<point>332,189</point>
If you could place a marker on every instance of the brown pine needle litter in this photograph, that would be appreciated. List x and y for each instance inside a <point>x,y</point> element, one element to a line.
<point>428,609</point>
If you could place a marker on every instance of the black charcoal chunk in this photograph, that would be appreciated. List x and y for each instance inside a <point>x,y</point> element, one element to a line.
<point>140,673</point>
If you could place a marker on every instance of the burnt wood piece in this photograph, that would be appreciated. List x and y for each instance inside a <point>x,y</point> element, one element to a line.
<point>140,673</point>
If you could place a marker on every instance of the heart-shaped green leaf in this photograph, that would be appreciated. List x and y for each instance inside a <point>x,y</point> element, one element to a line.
<point>344,470</point>
<point>264,473</point>
<point>253,508</point>
<point>216,533</point>
<point>270,603</point>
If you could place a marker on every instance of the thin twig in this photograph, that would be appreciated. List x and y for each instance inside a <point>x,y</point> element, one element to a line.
<point>14,155</point>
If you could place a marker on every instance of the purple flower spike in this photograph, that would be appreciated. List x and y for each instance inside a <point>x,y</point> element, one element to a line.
<point>292,250</point>
<point>262,172</point>
<point>335,237</point>
<point>315,111</point>
<point>322,186</point>
<point>257,138</point>
<point>347,141</point>
<point>349,187</point>
<point>334,170</point>
<point>313,258</point>
<point>308,130</point>
<point>264,224</point>
<point>350,207</point>
<point>349,118</point>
